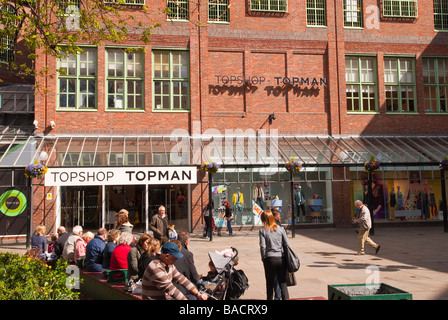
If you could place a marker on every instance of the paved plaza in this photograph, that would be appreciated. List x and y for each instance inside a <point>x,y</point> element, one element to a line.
<point>413,259</point>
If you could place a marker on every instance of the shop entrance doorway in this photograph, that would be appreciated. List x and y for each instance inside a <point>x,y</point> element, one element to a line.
<point>174,199</point>
<point>131,198</point>
<point>81,206</point>
<point>84,206</point>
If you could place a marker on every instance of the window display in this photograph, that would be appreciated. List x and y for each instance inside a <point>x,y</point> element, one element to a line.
<point>314,205</point>
<point>416,198</point>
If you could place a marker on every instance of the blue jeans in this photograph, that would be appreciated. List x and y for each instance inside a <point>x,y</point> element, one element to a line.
<point>229,225</point>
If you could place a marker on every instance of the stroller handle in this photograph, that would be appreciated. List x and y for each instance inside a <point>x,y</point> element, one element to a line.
<point>236,253</point>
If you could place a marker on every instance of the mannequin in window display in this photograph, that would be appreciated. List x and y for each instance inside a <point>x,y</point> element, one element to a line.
<point>365,194</point>
<point>299,200</point>
<point>413,199</point>
<point>399,198</point>
<point>378,209</point>
<point>238,203</point>
<point>258,195</point>
<point>392,203</point>
<point>424,202</point>
<point>432,204</point>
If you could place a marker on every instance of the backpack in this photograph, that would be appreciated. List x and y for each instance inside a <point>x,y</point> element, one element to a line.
<point>238,284</point>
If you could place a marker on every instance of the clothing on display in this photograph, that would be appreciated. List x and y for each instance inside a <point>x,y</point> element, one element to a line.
<point>238,203</point>
<point>258,195</point>
<point>300,202</point>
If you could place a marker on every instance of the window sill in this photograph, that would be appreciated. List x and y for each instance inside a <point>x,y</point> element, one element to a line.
<point>125,110</point>
<point>76,110</point>
<point>170,111</point>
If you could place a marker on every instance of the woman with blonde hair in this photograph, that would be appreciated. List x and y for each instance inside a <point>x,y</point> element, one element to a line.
<point>272,239</point>
<point>146,258</point>
<point>39,240</point>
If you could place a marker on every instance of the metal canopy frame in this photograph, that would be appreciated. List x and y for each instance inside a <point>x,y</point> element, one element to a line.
<point>236,151</point>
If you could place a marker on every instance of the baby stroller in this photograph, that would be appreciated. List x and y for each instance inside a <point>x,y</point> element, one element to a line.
<point>227,283</point>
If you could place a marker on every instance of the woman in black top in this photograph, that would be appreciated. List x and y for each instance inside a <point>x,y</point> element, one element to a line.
<point>228,216</point>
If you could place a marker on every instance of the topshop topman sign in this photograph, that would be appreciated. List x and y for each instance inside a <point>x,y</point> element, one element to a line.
<point>120,176</point>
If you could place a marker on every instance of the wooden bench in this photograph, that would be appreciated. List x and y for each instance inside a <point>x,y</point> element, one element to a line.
<point>98,287</point>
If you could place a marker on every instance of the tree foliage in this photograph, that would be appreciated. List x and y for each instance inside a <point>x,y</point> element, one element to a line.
<point>43,25</point>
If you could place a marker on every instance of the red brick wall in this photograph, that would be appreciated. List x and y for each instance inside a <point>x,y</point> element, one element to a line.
<point>268,46</point>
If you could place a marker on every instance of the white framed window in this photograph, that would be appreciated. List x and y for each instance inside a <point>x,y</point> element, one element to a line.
<point>400,8</point>
<point>269,5</point>
<point>177,10</point>
<point>218,11</point>
<point>353,13</point>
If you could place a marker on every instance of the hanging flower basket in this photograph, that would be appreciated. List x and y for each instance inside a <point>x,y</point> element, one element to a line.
<point>293,166</point>
<point>444,164</point>
<point>211,167</point>
<point>35,170</point>
<point>372,165</point>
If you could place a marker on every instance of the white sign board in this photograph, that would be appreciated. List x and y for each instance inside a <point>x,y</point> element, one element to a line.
<point>120,176</point>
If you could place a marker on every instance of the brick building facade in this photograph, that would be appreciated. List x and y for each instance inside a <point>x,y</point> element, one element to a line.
<point>332,69</point>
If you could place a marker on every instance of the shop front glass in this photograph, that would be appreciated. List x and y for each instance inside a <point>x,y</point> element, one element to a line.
<point>244,188</point>
<point>83,205</point>
<point>401,194</point>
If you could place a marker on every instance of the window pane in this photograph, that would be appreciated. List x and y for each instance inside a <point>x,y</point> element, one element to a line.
<point>171,66</point>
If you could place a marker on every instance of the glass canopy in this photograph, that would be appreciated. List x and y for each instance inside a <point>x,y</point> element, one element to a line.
<point>157,150</point>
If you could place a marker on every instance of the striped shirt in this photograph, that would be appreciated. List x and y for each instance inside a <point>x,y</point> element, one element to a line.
<point>157,283</point>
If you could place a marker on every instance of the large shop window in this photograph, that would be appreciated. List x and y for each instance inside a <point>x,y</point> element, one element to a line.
<point>399,195</point>
<point>244,188</point>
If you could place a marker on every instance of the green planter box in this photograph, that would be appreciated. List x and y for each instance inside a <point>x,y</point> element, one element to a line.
<point>379,291</point>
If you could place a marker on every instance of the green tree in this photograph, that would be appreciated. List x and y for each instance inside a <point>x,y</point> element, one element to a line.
<point>42,25</point>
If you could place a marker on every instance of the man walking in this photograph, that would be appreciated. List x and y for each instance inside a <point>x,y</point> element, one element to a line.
<point>365,223</point>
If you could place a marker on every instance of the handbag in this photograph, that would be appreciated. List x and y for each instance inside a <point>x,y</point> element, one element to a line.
<point>292,261</point>
<point>290,279</point>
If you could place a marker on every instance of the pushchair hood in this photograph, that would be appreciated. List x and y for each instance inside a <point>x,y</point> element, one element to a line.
<point>219,261</point>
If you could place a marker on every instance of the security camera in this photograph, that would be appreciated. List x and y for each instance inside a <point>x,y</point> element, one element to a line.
<point>36,123</point>
<point>52,124</point>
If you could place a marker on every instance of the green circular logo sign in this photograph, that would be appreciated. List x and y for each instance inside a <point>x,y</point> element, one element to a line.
<point>12,203</point>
